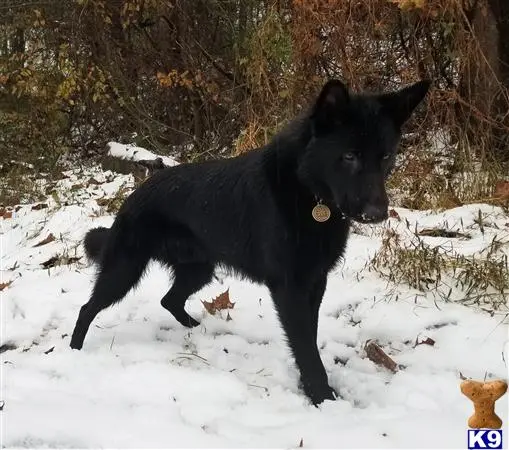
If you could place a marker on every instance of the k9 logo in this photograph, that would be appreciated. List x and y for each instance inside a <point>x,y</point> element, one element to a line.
<point>484,439</point>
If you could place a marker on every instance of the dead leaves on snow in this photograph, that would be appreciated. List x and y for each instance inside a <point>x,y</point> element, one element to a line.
<point>47,240</point>
<point>6,213</point>
<point>4,285</point>
<point>60,260</point>
<point>375,353</point>
<point>220,303</point>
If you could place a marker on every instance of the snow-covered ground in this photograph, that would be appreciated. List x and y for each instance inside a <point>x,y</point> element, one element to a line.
<point>144,381</point>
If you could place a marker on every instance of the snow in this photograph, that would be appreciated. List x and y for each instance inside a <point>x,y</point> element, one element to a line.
<point>143,381</point>
<point>131,152</point>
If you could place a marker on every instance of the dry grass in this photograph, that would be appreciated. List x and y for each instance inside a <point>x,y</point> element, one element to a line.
<point>481,280</point>
<point>433,174</point>
<point>18,187</point>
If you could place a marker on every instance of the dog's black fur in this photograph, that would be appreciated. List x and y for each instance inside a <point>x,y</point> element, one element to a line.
<point>252,214</point>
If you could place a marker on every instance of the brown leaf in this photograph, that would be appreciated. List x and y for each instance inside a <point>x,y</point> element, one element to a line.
<point>209,306</point>
<point>222,301</point>
<point>441,232</point>
<point>39,206</point>
<point>394,214</point>
<point>6,213</point>
<point>502,189</point>
<point>378,356</point>
<point>52,262</point>
<point>427,341</point>
<point>93,181</point>
<point>59,260</point>
<point>45,241</point>
<point>4,285</point>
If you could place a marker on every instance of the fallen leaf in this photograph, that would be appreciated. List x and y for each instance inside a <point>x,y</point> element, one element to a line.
<point>5,213</point>
<point>45,241</point>
<point>39,206</point>
<point>52,262</point>
<point>394,214</point>
<point>375,353</point>
<point>59,260</point>
<point>209,306</point>
<point>441,232</point>
<point>301,443</point>
<point>502,189</point>
<point>222,301</point>
<point>427,341</point>
<point>47,352</point>
<point>4,285</point>
<point>93,181</point>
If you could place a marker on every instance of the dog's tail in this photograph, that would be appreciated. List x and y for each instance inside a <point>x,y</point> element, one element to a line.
<point>95,241</point>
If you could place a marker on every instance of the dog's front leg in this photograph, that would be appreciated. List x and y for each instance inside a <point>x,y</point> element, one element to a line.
<point>315,300</point>
<point>292,304</point>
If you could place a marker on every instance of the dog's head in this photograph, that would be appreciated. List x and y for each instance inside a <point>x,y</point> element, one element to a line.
<point>354,139</point>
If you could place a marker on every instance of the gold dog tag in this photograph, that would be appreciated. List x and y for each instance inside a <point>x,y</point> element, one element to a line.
<point>321,213</point>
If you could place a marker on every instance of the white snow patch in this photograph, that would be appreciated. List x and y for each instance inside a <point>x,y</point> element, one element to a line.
<point>144,381</point>
<point>131,152</point>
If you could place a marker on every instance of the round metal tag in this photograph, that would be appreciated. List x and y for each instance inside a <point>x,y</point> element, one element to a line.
<point>321,213</point>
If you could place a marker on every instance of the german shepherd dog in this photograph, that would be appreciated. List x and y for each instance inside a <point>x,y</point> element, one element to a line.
<point>278,215</point>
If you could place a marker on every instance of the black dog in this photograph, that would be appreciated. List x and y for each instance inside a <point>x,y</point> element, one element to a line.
<point>279,215</point>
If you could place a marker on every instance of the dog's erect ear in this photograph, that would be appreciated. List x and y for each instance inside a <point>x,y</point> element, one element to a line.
<point>330,104</point>
<point>401,104</point>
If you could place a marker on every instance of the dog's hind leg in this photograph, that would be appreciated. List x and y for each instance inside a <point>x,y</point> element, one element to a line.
<point>119,273</point>
<point>189,278</point>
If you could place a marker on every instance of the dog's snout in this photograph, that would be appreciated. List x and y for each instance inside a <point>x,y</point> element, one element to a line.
<point>374,213</point>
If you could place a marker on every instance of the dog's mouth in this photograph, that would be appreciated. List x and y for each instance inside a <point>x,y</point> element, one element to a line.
<point>369,220</point>
<point>368,217</point>
<point>371,214</point>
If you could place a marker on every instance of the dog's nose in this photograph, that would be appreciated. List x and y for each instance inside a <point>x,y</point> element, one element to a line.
<point>374,213</point>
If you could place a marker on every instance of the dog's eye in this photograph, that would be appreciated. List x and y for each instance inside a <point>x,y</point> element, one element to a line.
<point>349,156</point>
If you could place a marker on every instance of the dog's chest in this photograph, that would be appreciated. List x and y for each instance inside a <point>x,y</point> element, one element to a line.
<point>321,245</point>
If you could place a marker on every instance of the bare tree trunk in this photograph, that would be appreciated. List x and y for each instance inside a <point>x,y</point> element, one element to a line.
<point>484,80</point>
<point>500,10</point>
